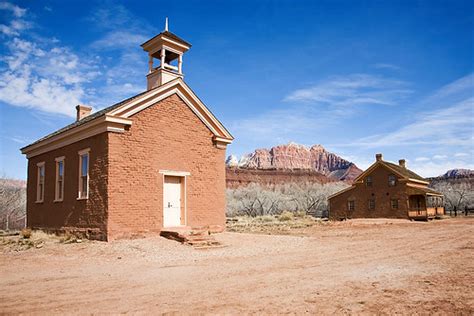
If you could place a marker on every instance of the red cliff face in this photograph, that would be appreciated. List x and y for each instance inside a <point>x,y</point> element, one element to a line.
<point>294,156</point>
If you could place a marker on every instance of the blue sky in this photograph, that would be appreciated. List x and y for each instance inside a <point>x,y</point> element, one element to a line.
<point>358,77</point>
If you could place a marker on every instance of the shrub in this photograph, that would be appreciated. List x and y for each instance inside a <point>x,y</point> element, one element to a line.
<point>286,216</point>
<point>26,233</point>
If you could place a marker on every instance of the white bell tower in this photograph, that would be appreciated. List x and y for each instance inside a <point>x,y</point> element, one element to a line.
<point>168,49</point>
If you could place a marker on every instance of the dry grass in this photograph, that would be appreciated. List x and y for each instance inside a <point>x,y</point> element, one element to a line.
<point>287,223</point>
<point>28,239</point>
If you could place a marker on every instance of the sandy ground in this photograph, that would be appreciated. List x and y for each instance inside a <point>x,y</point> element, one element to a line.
<point>354,267</point>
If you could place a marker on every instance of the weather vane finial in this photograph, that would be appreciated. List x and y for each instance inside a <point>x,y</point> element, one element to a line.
<point>166,24</point>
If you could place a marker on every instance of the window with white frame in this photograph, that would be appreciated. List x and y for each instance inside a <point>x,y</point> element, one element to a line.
<point>394,204</point>
<point>392,180</point>
<point>40,182</point>
<point>372,204</point>
<point>351,205</point>
<point>83,174</point>
<point>59,191</point>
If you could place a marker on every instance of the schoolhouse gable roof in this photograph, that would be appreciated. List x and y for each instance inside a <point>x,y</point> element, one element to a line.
<point>114,118</point>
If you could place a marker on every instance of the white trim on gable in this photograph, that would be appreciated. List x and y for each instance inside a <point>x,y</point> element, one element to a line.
<point>166,90</point>
<point>119,119</point>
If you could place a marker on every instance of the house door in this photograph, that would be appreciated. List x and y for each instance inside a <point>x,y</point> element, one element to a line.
<point>172,201</point>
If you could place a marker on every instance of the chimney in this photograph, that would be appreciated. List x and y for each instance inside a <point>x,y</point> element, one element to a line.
<point>378,157</point>
<point>82,111</point>
<point>402,163</point>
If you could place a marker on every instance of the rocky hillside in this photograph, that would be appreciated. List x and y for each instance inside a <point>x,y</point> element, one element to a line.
<point>455,176</point>
<point>457,173</point>
<point>310,162</point>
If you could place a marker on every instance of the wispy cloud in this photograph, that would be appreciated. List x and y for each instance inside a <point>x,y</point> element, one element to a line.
<point>119,40</point>
<point>447,126</point>
<point>17,22</point>
<point>421,159</point>
<point>351,90</point>
<point>122,32</point>
<point>18,139</point>
<point>436,168</point>
<point>13,8</point>
<point>42,74</point>
<point>386,66</point>
<point>310,111</point>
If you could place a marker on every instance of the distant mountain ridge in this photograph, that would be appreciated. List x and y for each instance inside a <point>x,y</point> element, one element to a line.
<point>457,173</point>
<point>298,157</point>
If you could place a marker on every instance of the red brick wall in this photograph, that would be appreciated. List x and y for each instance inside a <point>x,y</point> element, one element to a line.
<point>89,216</point>
<point>165,136</point>
<point>380,191</point>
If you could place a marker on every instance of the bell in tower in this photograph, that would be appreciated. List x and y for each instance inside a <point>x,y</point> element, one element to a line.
<point>168,49</point>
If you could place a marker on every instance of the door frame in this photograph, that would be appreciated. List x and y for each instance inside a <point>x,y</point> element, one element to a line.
<point>183,175</point>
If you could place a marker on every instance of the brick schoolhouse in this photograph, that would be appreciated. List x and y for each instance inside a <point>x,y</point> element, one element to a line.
<point>387,190</point>
<point>153,161</point>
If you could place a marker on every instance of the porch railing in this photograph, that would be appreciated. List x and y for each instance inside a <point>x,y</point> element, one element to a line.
<point>417,212</point>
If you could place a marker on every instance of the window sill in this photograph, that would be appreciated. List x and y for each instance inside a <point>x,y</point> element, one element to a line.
<point>57,201</point>
<point>39,202</point>
<point>82,198</point>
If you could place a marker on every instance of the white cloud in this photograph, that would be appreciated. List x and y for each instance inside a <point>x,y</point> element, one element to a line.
<point>17,23</point>
<point>39,74</point>
<point>440,157</point>
<point>433,169</point>
<point>460,155</point>
<point>386,66</point>
<point>16,10</point>
<point>354,89</point>
<point>119,40</point>
<point>421,159</point>
<point>449,124</point>
<point>27,90</point>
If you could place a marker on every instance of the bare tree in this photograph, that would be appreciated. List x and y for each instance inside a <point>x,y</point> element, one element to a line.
<point>456,194</point>
<point>12,205</point>
<point>255,200</point>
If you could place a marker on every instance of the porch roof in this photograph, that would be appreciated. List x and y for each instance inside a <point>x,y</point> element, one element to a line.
<point>422,191</point>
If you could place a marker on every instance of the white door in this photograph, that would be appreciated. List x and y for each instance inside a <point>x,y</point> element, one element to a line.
<point>172,202</point>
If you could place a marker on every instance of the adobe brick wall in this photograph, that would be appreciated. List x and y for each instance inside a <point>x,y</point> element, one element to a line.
<point>382,193</point>
<point>87,216</point>
<point>165,136</point>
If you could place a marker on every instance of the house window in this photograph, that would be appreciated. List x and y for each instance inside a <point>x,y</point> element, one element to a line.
<point>40,182</point>
<point>394,204</point>
<point>368,181</point>
<point>83,174</point>
<point>59,195</point>
<point>350,206</point>
<point>372,204</point>
<point>392,180</point>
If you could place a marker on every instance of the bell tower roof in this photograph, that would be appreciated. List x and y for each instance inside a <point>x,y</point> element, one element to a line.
<point>162,38</point>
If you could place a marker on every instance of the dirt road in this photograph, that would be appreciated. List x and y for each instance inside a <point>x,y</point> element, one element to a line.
<point>353,267</point>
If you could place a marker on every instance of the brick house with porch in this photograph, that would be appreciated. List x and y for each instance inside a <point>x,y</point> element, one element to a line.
<point>387,190</point>
<point>152,161</point>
